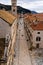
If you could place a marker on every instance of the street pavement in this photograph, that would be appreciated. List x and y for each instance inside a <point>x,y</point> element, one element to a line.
<point>21,48</point>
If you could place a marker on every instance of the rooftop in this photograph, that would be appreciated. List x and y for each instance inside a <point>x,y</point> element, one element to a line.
<point>31,17</point>
<point>39,16</point>
<point>38,26</point>
<point>36,20</point>
<point>8,17</point>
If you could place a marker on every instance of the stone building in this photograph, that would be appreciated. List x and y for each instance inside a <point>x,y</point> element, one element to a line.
<point>8,28</point>
<point>34,27</point>
<point>37,34</point>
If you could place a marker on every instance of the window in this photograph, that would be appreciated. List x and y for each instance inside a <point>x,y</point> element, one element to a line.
<point>14,10</point>
<point>37,45</point>
<point>38,38</point>
<point>38,32</point>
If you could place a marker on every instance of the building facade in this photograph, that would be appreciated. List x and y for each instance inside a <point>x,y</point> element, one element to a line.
<point>37,35</point>
<point>8,28</point>
<point>34,31</point>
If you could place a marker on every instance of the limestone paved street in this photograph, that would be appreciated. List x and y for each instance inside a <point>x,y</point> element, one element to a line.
<point>22,53</point>
<point>36,59</point>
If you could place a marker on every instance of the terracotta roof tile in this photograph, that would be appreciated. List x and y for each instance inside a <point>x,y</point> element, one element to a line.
<point>32,17</point>
<point>38,26</point>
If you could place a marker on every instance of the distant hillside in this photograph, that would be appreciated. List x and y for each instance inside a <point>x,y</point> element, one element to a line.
<point>19,9</point>
<point>33,12</point>
<point>7,7</point>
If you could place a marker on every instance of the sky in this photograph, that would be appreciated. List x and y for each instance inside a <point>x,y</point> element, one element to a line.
<point>35,5</point>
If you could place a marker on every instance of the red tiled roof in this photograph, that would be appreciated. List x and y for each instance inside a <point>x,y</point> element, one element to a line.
<point>38,18</point>
<point>38,26</point>
<point>31,17</point>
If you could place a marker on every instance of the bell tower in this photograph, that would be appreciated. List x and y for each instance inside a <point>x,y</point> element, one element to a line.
<point>14,6</point>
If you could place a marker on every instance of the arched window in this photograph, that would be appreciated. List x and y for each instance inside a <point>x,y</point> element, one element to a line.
<point>38,38</point>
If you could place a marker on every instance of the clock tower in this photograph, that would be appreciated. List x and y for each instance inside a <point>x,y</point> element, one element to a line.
<point>14,6</point>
